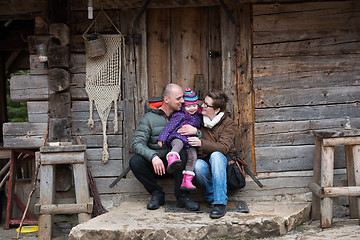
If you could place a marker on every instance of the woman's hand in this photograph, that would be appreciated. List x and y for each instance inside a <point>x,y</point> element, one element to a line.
<point>187,130</point>
<point>194,141</point>
<point>160,143</point>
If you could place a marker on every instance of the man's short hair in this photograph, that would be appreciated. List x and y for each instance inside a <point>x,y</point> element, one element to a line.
<point>167,89</point>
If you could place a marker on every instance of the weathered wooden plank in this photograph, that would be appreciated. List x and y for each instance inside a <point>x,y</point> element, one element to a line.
<point>62,158</point>
<point>189,27</point>
<point>306,42</point>
<point>23,135</point>
<point>304,137</point>
<point>296,126</point>
<point>94,154</point>
<point>77,89</point>
<point>307,78</point>
<point>291,158</point>
<point>308,112</point>
<point>81,128</point>
<point>214,46</point>
<point>306,97</point>
<point>28,87</point>
<point>228,55</point>
<point>158,38</point>
<point>300,16</point>
<point>292,65</point>
<point>112,168</point>
<point>97,140</point>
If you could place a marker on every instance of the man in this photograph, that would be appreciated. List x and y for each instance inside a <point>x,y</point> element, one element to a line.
<point>149,159</point>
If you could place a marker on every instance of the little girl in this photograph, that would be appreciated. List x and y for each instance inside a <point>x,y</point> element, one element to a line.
<point>189,114</point>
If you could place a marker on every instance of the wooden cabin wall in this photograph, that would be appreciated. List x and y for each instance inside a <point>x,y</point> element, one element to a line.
<point>306,71</point>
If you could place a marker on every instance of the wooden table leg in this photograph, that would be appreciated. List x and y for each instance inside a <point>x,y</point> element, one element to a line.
<point>81,189</point>
<point>327,180</point>
<point>356,156</point>
<point>353,206</point>
<point>46,197</point>
<point>315,204</point>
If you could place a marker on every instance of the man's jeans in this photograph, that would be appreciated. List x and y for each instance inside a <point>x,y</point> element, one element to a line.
<point>212,176</point>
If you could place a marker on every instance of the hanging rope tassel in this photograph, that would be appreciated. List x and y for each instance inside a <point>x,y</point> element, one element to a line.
<point>105,153</point>
<point>116,124</point>
<point>91,124</point>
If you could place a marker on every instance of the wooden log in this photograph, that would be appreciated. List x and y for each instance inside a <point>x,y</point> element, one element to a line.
<point>58,55</point>
<point>37,67</point>
<point>61,32</point>
<point>77,89</point>
<point>59,129</point>
<point>341,141</point>
<point>350,191</point>
<point>63,208</point>
<point>63,148</point>
<point>60,105</point>
<point>59,79</point>
<point>326,180</point>
<point>62,158</point>
<point>77,63</point>
<point>317,191</point>
<point>353,206</point>
<point>24,135</point>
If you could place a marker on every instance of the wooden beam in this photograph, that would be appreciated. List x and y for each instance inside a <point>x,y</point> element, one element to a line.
<point>243,84</point>
<point>327,142</point>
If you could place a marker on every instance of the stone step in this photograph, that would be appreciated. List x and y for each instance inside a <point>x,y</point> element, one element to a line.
<point>132,220</point>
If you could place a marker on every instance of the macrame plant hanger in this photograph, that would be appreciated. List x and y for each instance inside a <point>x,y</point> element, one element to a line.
<point>103,80</point>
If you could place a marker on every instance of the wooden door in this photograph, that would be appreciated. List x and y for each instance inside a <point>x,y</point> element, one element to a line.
<point>183,47</point>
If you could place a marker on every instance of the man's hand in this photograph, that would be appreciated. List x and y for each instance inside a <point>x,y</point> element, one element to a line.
<point>194,141</point>
<point>160,143</point>
<point>187,130</point>
<point>158,165</point>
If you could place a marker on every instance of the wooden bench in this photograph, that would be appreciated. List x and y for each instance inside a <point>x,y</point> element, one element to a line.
<point>322,187</point>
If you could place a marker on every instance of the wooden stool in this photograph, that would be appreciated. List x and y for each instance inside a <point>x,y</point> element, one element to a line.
<point>49,157</point>
<point>322,188</point>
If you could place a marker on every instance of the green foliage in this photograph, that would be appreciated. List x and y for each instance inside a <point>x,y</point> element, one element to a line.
<point>16,111</point>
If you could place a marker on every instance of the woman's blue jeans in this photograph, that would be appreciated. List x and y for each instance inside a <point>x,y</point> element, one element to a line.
<point>212,176</point>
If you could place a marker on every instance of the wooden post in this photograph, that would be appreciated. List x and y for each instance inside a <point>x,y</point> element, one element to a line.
<point>315,205</point>
<point>356,157</point>
<point>243,85</point>
<point>327,180</point>
<point>353,206</point>
<point>47,191</point>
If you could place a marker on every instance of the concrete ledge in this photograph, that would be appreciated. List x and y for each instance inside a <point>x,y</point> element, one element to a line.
<point>132,220</point>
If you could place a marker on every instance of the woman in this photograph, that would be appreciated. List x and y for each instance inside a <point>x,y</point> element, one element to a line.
<point>218,135</point>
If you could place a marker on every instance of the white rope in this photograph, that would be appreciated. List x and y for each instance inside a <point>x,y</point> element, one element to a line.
<point>103,84</point>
